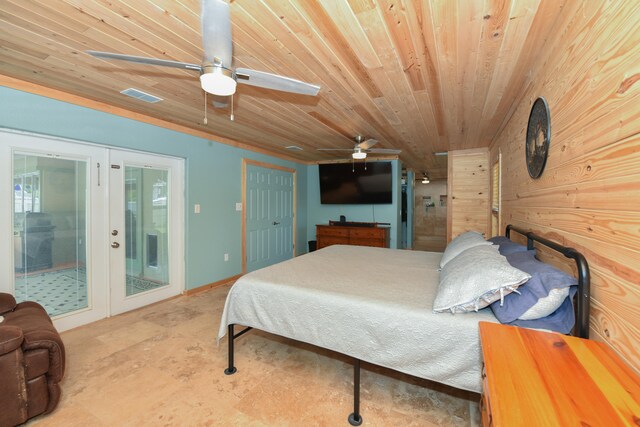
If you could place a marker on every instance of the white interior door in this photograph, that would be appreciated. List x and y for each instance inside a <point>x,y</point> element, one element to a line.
<point>52,224</point>
<point>146,229</point>
<point>269,212</point>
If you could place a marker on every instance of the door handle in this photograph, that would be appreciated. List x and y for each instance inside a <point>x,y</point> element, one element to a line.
<point>276,223</point>
<point>115,245</point>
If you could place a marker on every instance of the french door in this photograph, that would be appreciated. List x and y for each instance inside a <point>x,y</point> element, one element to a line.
<point>63,205</point>
<point>146,210</point>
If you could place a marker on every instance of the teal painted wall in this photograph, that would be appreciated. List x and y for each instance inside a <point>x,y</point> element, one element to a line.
<point>213,174</point>
<point>318,213</point>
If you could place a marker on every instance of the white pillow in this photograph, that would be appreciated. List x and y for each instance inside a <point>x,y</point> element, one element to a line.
<point>459,244</point>
<point>546,305</point>
<point>476,278</point>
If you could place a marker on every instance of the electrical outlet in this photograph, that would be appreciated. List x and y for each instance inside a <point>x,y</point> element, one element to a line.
<point>196,208</point>
<point>238,206</point>
<point>226,257</point>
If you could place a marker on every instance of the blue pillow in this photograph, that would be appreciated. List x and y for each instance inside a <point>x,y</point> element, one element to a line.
<point>506,246</point>
<point>544,278</point>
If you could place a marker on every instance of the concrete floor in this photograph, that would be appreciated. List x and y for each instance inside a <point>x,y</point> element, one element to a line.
<point>160,366</point>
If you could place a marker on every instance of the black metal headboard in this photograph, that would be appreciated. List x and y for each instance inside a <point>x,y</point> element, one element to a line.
<point>583,298</point>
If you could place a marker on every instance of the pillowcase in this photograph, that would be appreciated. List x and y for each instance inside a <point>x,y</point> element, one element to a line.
<point>546,305</point>
<point>459,244</point>
<point>535,299</point>
<point>474,279</point>
<point>562,320</point>
<point>506,246</point>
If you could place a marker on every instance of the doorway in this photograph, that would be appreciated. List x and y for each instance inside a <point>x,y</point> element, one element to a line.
<point>146,211</point>
<point>268,224</point>
<point>430,216</point>
<point>62,218</point>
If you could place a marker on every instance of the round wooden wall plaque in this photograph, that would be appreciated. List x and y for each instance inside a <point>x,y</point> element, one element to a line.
<point>538,137</point>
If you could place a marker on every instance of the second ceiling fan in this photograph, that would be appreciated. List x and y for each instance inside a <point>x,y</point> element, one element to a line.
<point>216,73</point>
<point>363,147</point>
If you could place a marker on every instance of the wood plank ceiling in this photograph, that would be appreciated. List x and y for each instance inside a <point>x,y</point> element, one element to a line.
<point>420,76</point>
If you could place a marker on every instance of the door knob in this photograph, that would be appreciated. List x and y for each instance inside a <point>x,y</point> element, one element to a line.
<point>276,223</point>
<point>114,232</point>
<point>115,245</point>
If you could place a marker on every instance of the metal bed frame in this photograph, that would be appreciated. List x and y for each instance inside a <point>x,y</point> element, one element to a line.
<point>581,328</point>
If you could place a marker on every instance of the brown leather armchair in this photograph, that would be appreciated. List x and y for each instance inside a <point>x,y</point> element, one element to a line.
<point>32,361</point>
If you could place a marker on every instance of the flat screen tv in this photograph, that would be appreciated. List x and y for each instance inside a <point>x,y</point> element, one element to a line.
<point>348,184</point>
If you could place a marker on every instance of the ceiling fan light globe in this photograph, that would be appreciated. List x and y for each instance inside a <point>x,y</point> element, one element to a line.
<point>359,155</point>
<point>218,81</point>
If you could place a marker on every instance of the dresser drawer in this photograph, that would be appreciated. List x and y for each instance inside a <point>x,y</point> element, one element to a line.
<point>328,235</point>
<point>332,231</point>
<point>366,233</point>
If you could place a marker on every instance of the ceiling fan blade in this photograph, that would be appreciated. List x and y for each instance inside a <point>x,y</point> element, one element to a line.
<point>365,145</point>
<point>275,82</point>
<point>384,151</point>
<point>334,149</point>
<point>216,31</point>
<point>145,60</point>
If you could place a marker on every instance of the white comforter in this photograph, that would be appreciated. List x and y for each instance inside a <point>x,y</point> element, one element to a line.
<point>369,303</point>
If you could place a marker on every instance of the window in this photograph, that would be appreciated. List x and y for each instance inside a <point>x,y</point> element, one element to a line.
<point>26,188</point>
<point>495,196</point>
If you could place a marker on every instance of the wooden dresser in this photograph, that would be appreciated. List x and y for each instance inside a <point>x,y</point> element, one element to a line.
<point>328,235</point>
<point>534,378</point>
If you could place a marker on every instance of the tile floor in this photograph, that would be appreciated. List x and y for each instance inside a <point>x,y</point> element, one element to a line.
<point>63,291</point>
<point>160,366</point>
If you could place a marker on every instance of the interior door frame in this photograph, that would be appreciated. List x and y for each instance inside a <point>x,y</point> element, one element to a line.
<point>246,162</point>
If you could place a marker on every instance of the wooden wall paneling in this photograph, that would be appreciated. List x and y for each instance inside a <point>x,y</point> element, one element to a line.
<point>587,197</point>
<point>468,206</point>
<point>616,332</point>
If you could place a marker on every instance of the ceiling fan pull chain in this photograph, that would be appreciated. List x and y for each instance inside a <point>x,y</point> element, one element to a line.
<point>231,117</point>
<point>205,107</point>
<point>353,165</point>
<point>365,163</point>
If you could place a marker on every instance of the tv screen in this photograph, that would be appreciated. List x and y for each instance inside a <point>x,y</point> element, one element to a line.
<point>348,184</point>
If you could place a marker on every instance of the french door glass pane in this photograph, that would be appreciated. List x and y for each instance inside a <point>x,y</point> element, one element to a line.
<point>146,229</point>
<point>49,232</point>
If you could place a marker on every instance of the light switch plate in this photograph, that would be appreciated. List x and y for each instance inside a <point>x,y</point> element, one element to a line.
<point>238,206</point>
<point>196,208</point>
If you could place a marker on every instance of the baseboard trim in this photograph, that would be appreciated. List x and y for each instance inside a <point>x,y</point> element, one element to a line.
<point>212,285</point>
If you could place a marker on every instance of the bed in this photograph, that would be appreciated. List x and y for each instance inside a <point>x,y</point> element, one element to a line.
<point>374,305</point>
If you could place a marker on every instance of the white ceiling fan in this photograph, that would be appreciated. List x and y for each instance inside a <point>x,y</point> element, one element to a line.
<point>216,74</point>
<point>363,147</point>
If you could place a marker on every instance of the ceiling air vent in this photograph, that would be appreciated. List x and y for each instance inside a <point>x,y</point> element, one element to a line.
<point>142,96</point>
<point>293,148</point>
